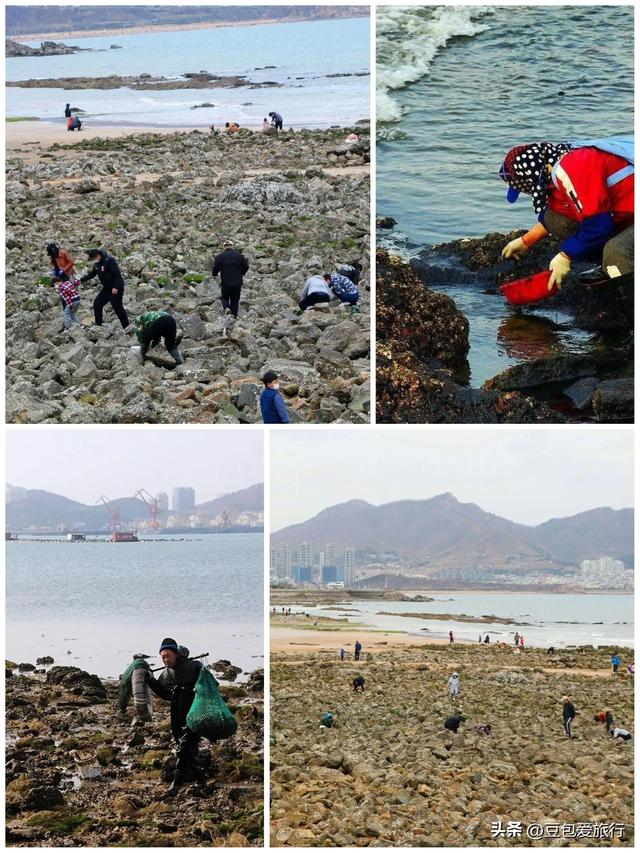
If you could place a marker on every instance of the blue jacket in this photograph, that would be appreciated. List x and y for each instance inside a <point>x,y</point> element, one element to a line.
<point>273,408</point>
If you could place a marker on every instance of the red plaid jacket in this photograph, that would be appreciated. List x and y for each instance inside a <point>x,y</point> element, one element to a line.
<point>68,290</point>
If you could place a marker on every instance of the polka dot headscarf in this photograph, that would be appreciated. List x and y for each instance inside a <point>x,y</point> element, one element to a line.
<point>525,170</point>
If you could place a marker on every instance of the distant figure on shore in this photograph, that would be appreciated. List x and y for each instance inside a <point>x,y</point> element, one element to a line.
<point>631,669</point>
<point>67,111</point>
<point>214,131</point>
<point>342,654</point>
<point>568,714</point>
<point>276,120</point>
<point>450,638</point>
<point>623,734</point>
<point>154,326</point>
<point>357,648</point>
<point>328,720</point>
<point>479,638</point>
<point>232,266</point>
<point>521,641</point>
<point>605,717</point>
<point>551,650</point>
<point>454,686</point>
<point>108,272</point>
<point>487,640</point>
<point>231,127</point>
<point>454,722</point>
<point>516,639</point>
<point>615,662</point>
<point>272,405</point>
<point>351,138</point>
<point>315,291</point>
<point>74,123</point>
<point>358,684</point>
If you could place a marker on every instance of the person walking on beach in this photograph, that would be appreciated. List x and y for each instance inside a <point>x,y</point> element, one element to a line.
<point>454,686</point>
<point>67,111</point>
<point>615,663</point>
<point>568,714</point>
<point>479,638</point>
<point>232,266</point>
<point>276,120</point>
<point>176,684</point>
<point>154,326</point>
<point>516,639</point>
<point>342,654</point>
<point>450,638</point>
<point>316,290</point>
<point>272,405</point>
<point>108,272</point>
<point>583,194</point>
<point>605,717</point>
<point>357,648</point>
<point>487,640</point>
<point>521,641</point>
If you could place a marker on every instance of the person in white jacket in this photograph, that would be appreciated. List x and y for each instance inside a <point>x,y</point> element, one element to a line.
<point>454,685</point>
<point>316,289</point>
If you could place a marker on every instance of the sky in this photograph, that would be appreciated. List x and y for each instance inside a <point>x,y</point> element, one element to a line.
<point>525,475</point>
<point>84,464</point>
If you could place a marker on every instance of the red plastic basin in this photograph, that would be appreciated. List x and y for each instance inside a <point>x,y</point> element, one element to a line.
<point>530,289</point>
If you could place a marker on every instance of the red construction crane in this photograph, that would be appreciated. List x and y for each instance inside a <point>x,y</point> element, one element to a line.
<point>114,516</point>
<point>152,505</point>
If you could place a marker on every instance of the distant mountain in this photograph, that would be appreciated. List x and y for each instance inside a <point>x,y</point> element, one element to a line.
<point>46,510</point>
<point>442,533</point>
<point>59,19</point>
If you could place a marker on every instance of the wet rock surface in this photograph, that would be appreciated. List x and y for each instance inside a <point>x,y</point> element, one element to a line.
<point>605,310</point>
<point>55,737</point>
<point>420,334</point>
<point>141,82</point>
<point>389,775</point>
<point>162,205</point>
<point>47,48</point>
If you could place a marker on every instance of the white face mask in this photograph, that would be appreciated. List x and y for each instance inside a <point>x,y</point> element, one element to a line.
<point>275,386</point>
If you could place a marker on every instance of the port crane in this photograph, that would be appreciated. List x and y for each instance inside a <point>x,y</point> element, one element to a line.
<point>115,521</point>
<point>151,504</point>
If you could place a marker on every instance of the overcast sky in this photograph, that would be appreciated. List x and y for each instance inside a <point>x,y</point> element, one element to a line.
<point>525,475</point>
<point>84,464</point>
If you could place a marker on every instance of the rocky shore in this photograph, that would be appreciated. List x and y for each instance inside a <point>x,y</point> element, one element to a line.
<point>423,339</point>
<point>47,48</point>
<point>65,724</point>
<point>162,204</point>
<point>389,775</point>
<point>142,82</point>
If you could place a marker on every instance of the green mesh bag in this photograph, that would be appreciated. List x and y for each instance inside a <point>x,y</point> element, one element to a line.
<point>209,716</point>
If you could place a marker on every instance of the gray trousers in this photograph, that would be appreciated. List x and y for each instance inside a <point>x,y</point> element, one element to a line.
<point>617,252</point>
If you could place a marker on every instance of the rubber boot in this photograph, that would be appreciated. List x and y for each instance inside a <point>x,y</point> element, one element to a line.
<point>177,355</point>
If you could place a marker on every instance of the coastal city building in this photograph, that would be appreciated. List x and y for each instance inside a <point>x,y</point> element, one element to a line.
<point>162,501</point>
<point>605,573</point>
<point>14,493</point>
<point>183,499</point>
<point>349,562</point>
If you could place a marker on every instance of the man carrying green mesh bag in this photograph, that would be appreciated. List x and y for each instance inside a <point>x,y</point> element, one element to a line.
<point>195,710</point>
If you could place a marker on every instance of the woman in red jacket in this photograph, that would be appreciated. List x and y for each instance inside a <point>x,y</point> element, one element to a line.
<point>583,196</point>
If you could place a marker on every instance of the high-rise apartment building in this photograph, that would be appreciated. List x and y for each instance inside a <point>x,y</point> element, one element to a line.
<point>349,567</point>
<point>283,562</point>
<point>183,499</point>
<point>162,500</point>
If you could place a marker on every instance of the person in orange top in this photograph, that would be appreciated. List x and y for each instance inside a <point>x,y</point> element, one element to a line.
<point>61,261</point>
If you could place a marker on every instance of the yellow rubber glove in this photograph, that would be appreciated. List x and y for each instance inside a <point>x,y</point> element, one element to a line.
<point>560,267</point>
<point>515,249</point>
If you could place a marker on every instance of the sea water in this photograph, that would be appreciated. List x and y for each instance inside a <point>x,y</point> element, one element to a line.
<point>457,87</point>
<point>95,604</point>
<point>304,56</point>
<point>545,619</point>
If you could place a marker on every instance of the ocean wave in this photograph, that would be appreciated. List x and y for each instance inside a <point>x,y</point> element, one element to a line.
<point>408,40</point>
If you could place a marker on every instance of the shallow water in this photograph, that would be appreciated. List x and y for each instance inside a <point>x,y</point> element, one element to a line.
<point>94,605</point>
<point>307,96</point>
<point>544,619</point>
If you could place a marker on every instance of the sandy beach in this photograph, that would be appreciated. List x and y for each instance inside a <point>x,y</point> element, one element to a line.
<point>293,641</point>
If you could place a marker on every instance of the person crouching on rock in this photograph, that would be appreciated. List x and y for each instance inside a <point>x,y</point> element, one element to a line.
<point>358,684</point>
<point>568,715</point>
<point>74,123</point>
<point>315,291</point>
<point>110,277</point>
<point>272,403</point>
<point>583,194</point>
<point>605,717</point>
<point>232,266</point>
<point>176,684</point>
<point>346,291</point>
<point>453,723</point>
<point>151,327</point>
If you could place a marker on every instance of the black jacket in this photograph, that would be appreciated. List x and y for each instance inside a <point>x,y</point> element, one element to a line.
<point>177,686</point>
<point>108,273</point>
<point>232,266</point>
<point>568,711</point>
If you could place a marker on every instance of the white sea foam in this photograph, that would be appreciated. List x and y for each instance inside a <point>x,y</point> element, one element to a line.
<point>408,40</point>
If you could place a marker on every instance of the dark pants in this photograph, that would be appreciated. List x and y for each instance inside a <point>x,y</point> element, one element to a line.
<point>615,667</point>
<point>349,298</point>
<point>567,725</point>
<point>105,296</point>
<point>314,299</point>
<point>356,655</point>
<point>230,297</point>
<point>278,125</point>
<point>187,764</point>
<point>616,252</point>
<point>164,327</point>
